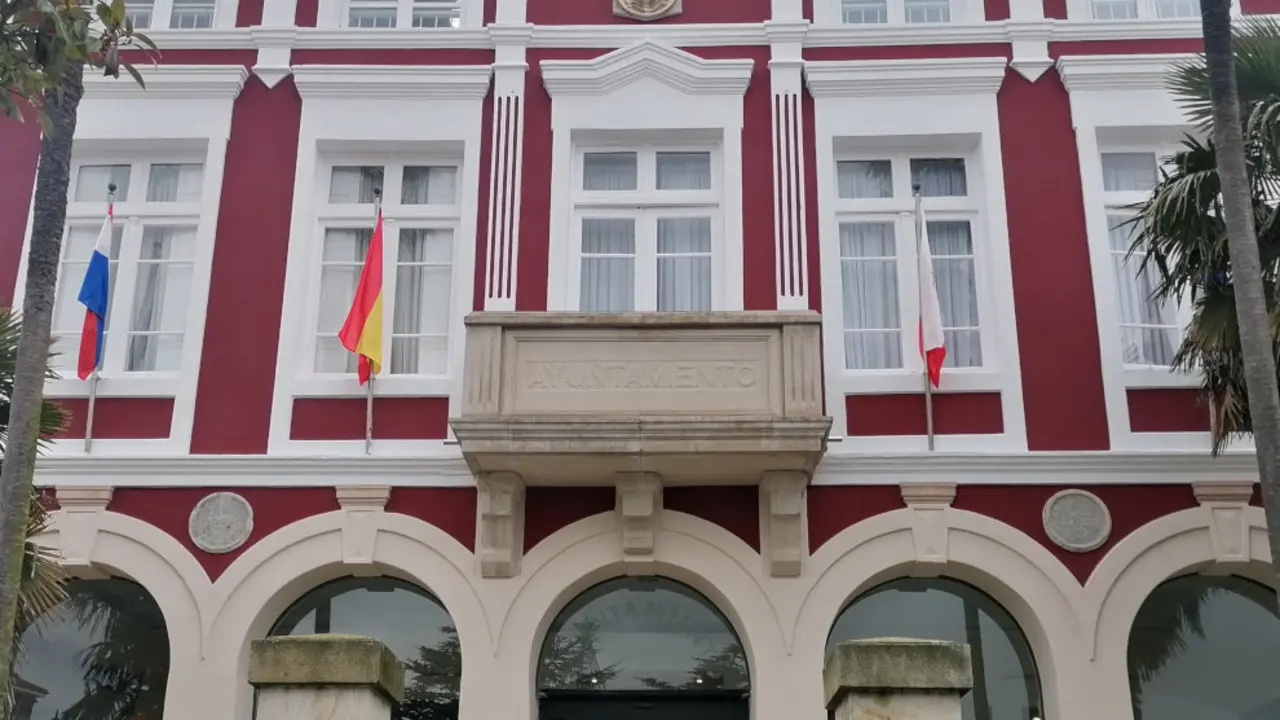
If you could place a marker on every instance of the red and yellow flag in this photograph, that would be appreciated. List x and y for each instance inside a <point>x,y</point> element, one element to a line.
<point>362,332</point>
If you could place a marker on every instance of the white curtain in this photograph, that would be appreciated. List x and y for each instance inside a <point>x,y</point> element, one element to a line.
<point>684,264</point>
<point>940,177</point>
<point>869,269</point>
<point>68,313</point>
<point>175,183</point>
<point>858,179</point>
<point>429,185</point>
<point>352,185</point>
<point>1148,327</point>
<point>343,257</point>
<point>92,182</point>
<point>1128,172</point>
<point>609,171</point>
<point>684,171</point>
<point>420,321</point>
<point>951,244</point>
<point>160,299</point>
<point>608,265</point>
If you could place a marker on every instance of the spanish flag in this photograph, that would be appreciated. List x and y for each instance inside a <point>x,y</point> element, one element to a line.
<point>362,332</point>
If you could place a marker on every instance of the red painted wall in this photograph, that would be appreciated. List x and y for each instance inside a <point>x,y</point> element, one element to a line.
<point>453,510</point>
<point>1167,410</point>
<point>118,418</point>
<point>20,148</point>
<point>402,418</point>
<point>906,414</point>
<point>570,12</point>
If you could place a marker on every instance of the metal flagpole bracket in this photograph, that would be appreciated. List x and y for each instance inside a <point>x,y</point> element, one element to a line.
<point>368,394</point>
<point>920,280</point>
<point>97,365</point>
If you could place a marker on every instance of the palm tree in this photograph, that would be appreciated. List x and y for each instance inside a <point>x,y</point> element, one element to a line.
<point>1209,229</point>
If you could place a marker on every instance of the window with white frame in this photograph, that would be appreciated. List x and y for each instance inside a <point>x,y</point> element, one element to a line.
<point>420,223</point>
<point>879,12</point>
<point>404,13</point>
<point>647,229</point>
<point>173,14</point>
<point>157,218</point>
<point>1143,9</point>
<point>879,273</point>
<point>1150,329</point>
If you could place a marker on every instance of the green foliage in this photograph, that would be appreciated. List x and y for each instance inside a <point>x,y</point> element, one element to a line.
<point>39,37</point>
<point>1180,233</point>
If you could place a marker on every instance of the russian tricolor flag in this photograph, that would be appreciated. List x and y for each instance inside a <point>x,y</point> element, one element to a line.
<point>93,295</point>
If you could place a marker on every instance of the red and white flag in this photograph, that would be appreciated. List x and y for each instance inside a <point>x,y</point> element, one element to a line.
<point>933,347</point>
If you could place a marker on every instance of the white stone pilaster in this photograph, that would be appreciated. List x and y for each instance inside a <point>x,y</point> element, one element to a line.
<point>502,239</point>
<point>791,252</point>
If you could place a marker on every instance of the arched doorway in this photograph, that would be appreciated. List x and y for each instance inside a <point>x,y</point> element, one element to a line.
<point>642,649</point>
<point>412,623</point>
<point>103,653</point>
<point>1006,684</point>
<point>1205,647</point>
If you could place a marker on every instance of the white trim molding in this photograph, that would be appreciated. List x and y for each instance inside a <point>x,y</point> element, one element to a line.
<point>641,95</point>
<point>375,112</point>
<point>506,166</point>
<point>926,107</point>
<point>790,229</point>
<point>1121,103</point>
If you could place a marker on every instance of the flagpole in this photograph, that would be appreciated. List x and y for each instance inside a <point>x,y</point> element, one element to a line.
<point>368,392</point>
<point>920,280</point>
<point>93,376</point>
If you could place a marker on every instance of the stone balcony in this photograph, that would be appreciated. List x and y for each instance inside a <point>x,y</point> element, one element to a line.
<point>696,398</point>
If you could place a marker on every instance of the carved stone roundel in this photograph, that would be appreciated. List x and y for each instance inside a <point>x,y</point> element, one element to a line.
<point>1076,520</point>
<point>646,9</point>
<point>221,522</point>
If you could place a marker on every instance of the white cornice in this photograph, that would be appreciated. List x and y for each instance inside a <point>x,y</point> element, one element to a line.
<point>204,39</point>
<point>197,471</point>
<point>1117,72</point>
<point>880,78</point>
<point>396,82</point>
<point>676,68</point>
<point>170,81</point>
<point>1076,30</point>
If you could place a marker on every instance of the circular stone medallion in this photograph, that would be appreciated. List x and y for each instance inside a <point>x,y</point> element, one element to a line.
<point>221,522</point>
<point>1076,520</point>
<point>646,9</point>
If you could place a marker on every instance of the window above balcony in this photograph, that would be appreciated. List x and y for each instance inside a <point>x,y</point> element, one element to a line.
<point>876,13</point>
<point>401,14</point>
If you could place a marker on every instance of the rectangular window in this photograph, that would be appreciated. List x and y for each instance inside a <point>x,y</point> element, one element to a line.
<point>421,214</point>
<point>152,258</point>
<point>1149,328</point>
<point>1114,9</point>
<point>881,12</point>
<point>878,250</point>
<point>647,223</point>
<point>404,13</point>
<point>191,14</point>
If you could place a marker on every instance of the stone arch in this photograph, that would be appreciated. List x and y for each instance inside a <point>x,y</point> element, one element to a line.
<point>1162,549</point>
<point>1012,568</point>
<point>693,551</point>
<point>121,545</point>
<point>282,567</point>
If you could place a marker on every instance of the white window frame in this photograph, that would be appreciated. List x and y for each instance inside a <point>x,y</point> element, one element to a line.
<point>224,16</point>
<point>645,205</point>
<point>1141,376</point>
<point>1147,11</point>
<point>900,210</point>
<point>963,12</point>
<point>396,216</point>
<point>337,14</point>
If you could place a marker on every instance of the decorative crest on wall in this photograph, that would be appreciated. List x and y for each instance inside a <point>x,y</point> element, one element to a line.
<point>647,9</point>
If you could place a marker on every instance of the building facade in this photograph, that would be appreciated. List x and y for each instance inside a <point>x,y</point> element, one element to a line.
<point>651,432</point>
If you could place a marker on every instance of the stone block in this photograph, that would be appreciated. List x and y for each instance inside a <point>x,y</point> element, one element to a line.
<point>327,662</point>
<point>896,667</point>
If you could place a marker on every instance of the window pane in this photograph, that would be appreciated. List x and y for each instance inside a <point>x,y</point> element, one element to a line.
<point>429,185</point>
<point>92,182</point>
<point>941,177</point>
<point>684,171</point>
<point>343,258</point>
<point>869,287</point>
<point>160,299</point>
<point>352,185</point>
<point>68,312</point>
<point>684,264</point>
<point>1148,327</point>
<point>372,14</point>
<point>436,14</point>
<point>1128,172</point>
<point>420,322</point>
<point>864,12</point>
<point>190,13</point>
<point>928,11</point>
<point>608,265</point>
<point>865,178</point>
<point>1114,9</point>
<point>609,171</point>
<point>175,183</point>
<point>951,244</point>
<point>140,12</point>
<point>1177,8</point>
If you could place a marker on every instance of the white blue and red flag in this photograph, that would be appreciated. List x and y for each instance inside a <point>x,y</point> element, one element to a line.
<point>94,292</point>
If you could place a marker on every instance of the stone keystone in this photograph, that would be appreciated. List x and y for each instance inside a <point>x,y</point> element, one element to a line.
<point>896,666</point>
<point>327,661</point>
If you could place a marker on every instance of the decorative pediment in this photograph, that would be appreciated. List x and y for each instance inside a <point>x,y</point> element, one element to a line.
<point>170,81</point>
<point>1118,72</point>
<point>678,69</point>
<point>916,77</point>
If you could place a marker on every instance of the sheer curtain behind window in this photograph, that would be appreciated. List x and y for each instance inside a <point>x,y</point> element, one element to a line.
<point>420,325</point>
<point>68,313</point>
<point>354,185</point>
<point>92,182</point>
<point>608,265</point>
<point>684,264</point>
<point>425,185</point>
<point>864,12</point>
<point>343,257</point>
<point>869,270</point>
<point>161,294</point>
<point>175,183</point>
<point>951,244</point>
<point>609,171</point>
<point>1148,327</point>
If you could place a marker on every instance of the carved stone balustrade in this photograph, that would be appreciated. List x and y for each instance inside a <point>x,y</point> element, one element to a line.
<point>695,398</point>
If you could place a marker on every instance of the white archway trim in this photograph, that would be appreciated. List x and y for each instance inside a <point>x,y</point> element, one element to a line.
<point>1015,570</point>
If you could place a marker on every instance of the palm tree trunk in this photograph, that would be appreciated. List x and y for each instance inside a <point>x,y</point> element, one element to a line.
<point>1256,344</point>
<point>50,216</point>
